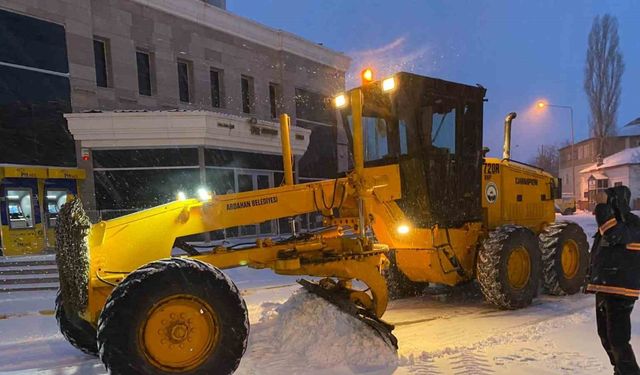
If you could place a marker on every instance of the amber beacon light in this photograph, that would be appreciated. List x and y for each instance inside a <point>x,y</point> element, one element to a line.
<point>367,76</point>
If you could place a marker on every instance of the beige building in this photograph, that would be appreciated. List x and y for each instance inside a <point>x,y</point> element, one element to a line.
<point>585,155</point>
<point>165,61</point>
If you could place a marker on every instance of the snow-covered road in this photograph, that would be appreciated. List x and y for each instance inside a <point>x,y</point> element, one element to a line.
<point>458,334</point>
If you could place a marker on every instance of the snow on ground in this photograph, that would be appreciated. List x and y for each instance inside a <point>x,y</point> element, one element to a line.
<point>294,333</point>
<point>305,334</point>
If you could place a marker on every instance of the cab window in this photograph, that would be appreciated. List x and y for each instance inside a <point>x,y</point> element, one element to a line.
<point>55,199</point>
<point>375,138</point>
<point>19,208</point>
<point>443,126</point>
<point>402,133</point>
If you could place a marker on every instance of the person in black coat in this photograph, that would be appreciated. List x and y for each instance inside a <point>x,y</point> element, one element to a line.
<point>615,276</point>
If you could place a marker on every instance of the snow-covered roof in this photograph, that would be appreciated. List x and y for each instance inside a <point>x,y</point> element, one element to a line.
<point>598,176</point>
<point>630,129</point>
<point>634,122</point>
<point>626,156</point>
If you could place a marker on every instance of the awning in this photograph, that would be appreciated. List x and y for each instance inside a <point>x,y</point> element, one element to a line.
<point>111,130</point>
<point>598,176</point>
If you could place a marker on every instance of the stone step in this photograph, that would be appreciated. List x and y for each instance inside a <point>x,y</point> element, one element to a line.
<point>25,263</point>
<point>28,287</point>
<point>7,280</point>
<point>28,271</point>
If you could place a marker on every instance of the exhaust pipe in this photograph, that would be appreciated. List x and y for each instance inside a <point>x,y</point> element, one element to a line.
<point>506,150</point>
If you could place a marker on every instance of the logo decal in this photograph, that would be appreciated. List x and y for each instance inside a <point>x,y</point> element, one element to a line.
<point>491,192</point>
<point>252,203</point>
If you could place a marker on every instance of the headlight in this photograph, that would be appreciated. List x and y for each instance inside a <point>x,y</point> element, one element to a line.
<point>388,84</point>
<point>181,196</point>
<point>204,194</point>
<point>340,101</point>
<point>403,229</point>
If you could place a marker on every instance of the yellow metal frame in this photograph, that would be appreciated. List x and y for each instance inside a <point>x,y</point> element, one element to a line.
<point>365,199</point>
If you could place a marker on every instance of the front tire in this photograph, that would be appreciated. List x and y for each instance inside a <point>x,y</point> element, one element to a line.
<point>77,331</point>
<point>565,258</point>
<point>173,315</point>
<point>398,284</point>
<point>508,268</point>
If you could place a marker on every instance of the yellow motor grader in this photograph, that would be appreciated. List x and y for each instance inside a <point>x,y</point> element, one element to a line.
<point>420,204</point>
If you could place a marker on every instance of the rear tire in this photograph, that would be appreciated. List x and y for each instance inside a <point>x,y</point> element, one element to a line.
<point>565,258</point>
<point>508,268</point>
<point>76,330</point>
<point>398,284</point>
<point>173,315</point>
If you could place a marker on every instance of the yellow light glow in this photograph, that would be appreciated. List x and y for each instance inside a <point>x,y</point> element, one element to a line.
<point>541,104</point>
<point>403,229</point>
<point>181,196</point>
<point>340,101</point>
<point>204,194</point>
<point>388,84</point>
<point>367,75</point>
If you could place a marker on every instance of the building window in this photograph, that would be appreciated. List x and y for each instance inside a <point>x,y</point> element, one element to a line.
<point>184,80</point>
<point>215,77</point>
<point>580,152</point>
<point>274,99</point>
<point>101,56</point>
<point>27,43</point>
<point>314,107</point>
<point>144,73</point>
<point>246,83</point>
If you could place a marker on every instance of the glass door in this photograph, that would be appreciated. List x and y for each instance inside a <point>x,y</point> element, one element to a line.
<point>249,181</point>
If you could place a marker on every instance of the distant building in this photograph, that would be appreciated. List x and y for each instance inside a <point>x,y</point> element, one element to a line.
<point>218,3</point>
<point>621,168</point>
<point>634,122</point>
<point>584,156</point>
<point>170,60</point>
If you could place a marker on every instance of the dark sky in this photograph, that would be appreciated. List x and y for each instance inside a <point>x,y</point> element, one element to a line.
<point>521,51</point>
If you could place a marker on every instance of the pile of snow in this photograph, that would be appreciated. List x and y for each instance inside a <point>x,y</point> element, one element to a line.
<point>308,332</point>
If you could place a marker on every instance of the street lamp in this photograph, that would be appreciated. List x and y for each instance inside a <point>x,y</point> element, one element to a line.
<point>542,104</point>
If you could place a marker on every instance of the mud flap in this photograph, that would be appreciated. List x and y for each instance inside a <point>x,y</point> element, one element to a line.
<point>340,299</point>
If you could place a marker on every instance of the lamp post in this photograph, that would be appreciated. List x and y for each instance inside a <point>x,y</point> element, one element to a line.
<point>541,104</point>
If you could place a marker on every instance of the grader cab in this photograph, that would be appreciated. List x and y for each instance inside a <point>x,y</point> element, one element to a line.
<point>421,204</point>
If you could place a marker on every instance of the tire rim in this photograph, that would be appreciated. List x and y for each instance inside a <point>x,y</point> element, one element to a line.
<point>179,333</point>
<point>570,259</point>
<point>519,268</point>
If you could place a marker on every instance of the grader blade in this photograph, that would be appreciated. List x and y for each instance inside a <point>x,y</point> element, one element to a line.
<point>340,298</point>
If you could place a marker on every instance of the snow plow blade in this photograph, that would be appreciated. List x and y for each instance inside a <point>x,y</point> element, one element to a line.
<point>339,297</point>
